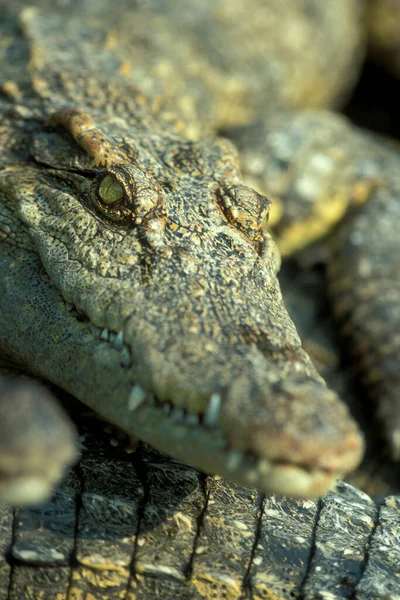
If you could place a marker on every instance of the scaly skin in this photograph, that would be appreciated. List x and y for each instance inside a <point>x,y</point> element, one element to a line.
<point>215,64</point>
<point>177,332</point>
<point>306,160</point>
<point>154,528</point>
<point>325,167</point>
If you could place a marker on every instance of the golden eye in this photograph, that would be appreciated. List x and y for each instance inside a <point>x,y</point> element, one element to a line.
<point>110,191</point>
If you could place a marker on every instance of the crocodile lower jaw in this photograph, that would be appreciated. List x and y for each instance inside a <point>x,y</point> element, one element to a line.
<point>208,450</point>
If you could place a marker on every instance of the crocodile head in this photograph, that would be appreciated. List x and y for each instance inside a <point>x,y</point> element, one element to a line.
<point>154,240</point>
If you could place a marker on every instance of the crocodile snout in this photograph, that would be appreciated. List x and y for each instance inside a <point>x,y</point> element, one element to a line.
<point>296,422</point>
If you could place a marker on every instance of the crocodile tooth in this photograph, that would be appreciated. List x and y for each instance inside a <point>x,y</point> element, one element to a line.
<point>104,334</point>
<point>213,409</point>
<point>192,419</point>
<point>93,329</point>
<point>111,337</point>
<point>119,341</point>
<point>137,396</point>
<point>69,306</point>
<point>233,460</point>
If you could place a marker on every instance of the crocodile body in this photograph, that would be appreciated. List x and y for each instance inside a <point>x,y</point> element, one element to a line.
<point>151,527</point>
<point>138,275</point>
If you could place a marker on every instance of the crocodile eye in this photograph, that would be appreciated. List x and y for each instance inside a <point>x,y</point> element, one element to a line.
<point>110,191</point>
<point>246,210</point>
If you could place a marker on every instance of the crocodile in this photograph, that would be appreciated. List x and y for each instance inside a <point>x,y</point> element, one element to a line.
<point>112,214</point>
<point>143,526</point>
<point>159,271</point>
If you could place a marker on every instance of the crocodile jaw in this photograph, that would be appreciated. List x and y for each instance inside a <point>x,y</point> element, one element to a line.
<point>237,436</point>
<point>189,283</point>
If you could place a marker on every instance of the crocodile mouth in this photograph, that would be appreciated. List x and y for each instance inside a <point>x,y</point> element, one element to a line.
<point>199,440</point>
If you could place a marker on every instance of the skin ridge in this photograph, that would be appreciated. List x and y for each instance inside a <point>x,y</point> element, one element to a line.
<point>133,517</point>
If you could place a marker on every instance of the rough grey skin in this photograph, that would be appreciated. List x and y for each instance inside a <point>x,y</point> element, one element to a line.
<point>216,64</point>
<point>163,311</point>
<point>76,138</point>
<point>151,527</point>
<point>323,169</point>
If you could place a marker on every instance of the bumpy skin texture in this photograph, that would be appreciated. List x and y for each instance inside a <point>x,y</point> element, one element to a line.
<point>216,63</point>
<point>346,171</point>
<point>112,528</point>
<point>310,166</point>
<point>148,527</point>
<point>211,59</point>
<point>365,287</point>
<point>154,239</point>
